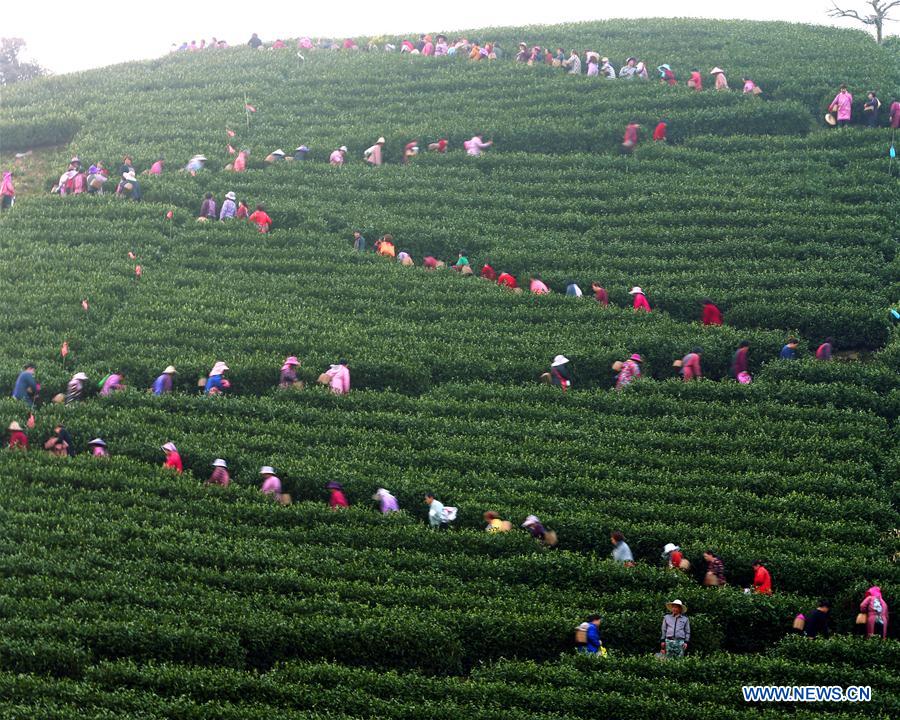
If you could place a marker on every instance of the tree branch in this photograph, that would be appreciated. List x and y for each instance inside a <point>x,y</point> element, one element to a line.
<point>836,12</point>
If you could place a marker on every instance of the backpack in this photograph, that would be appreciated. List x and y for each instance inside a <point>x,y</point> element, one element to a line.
<point>581,634</point>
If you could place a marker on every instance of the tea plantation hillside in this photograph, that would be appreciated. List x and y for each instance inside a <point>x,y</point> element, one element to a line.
<point>127,591</point>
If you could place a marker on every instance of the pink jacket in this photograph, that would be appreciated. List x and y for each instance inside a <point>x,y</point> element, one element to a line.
<point>640,302</point>
<point>844,102</point>
<point>7,187</point>
<point>895,114</point>
<point>340,379</point>
<point>539,288</point>
<point>873,597</point>
<point>240,162</point>
<point>690,368</point>
<point>156,168</point>
<point>113,383</point>
<point>271,486</point>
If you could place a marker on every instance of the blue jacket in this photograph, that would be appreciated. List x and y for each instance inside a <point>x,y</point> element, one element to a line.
<point>593,639</point>
<point>788,353</point>
<point>214,381</point>
<point>26,388</point>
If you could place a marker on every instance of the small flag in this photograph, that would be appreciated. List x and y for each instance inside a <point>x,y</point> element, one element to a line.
<point>84,304</point>
<point>231,150</point>
<point>137,270</point>
<point>131,255</point>
<point>169,216</point>
<point>64,350</point>
<point>30,422</point>
<point>893,151</point>
<point>229,133</point>
<point>250,108</point>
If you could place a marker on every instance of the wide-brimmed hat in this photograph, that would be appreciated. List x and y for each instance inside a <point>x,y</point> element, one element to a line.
<point>680,604</point>
<point>604,59</point>
<point>266,470</point>
<point>521,44</point>
<point>559,360</point>
<point>333,485</point>
<point>670,547</point>
<point>230,196</point>
<point>664,66</point>
<point>636,358</point>
<point>14,426</point>
<point>278,152</point>
<point>97,441</point>
<point>591,54</point>
<point>636,290</point>
<point>343,148</point>
<point>830,119</point>
<point>170,370</point>
<point>530,520</point>
<point>380,493</point>
<point>79,376</point>
<point>219,368</point>
<point>716,70</point>
<point>292,361</point>
<point>219,462</point>
<point>302,148</point>
<point>380,140</point>
<point>170,447</point>
<point>199,157</point>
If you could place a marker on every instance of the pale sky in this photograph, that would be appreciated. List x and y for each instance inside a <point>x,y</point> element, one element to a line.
<point>67,35</point>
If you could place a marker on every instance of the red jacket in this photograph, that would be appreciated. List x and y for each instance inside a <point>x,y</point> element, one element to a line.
<point>173,460</point>
<point>506,280</point>
<point>640,302</point>
<point>488,273</point>
<point>337,500</point>
<point>711,315</point>
<point>601,296</point>
<point>762,581</point>
<point>18,439</point>
<point>660,132</point>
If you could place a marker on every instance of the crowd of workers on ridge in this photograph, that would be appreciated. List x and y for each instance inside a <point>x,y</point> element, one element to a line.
<point>675,630</point>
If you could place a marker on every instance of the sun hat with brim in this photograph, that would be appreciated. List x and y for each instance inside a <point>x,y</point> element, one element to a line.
<point>521,44</point>
<point>334,486</point>
<point>302,148</point>
<point>636,290</point>
<point>79,376</point>
<point>380,140</point>
<point>664,67</point>
<point>343,148</point>
<point>278,152</point>
<point>530,520</point>
<point>591,54</point>
<point>14,426</point>
<point>266,470</point>
<point>170,447</point>
<point>680,604</point>
<point>97,441</point>
<point>636,358</point>
<point>219,462</point>
<point>292,361</point>
<point>559,360</point>
<point>199,157</point>
<point>716,70</point>
<point>230,196</point>
<point>170,370</point>
<point>219,368</point>
<point>830,119</point>
<point>670,547</point>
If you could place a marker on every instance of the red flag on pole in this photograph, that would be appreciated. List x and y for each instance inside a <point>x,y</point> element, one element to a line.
<point>64,350</point>
<point>228,132</point>
<point>250,108</point>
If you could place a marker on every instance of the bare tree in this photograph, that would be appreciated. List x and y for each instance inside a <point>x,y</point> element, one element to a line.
<point>879,16</point>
